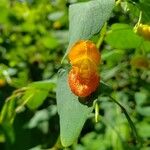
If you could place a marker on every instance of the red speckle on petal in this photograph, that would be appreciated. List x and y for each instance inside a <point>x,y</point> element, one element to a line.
<point>83,78</point>
<point>82,87</point>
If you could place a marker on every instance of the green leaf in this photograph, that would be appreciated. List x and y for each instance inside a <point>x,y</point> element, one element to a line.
<point>86,19</point>
<point>73,114</point>
<point>8,132</point>
<point>36,93</point>
<point>35,97</point>
<point>121,36</point>
<point>8,113</point>
<point>45,85</point>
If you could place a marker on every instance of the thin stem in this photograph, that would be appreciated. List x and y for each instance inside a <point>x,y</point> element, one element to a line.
<point>96,112</point>
<point>118,2</point>
<point>128,118</point>
<point>102,35</point>
<point>138,23</point>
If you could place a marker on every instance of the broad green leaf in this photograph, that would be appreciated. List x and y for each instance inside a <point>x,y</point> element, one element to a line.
<point>121,36</point>
<point>72,113</point>
<point>87,18</point>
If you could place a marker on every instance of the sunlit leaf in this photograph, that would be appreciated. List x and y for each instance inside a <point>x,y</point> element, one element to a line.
<point>121,36</point>
<point>36,94</point>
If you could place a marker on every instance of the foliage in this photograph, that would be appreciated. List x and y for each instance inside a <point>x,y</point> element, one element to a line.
<point>34,36</point>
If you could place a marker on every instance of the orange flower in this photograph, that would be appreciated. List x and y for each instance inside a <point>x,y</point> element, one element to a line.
<point>144,31</point>
<point>83,78</point>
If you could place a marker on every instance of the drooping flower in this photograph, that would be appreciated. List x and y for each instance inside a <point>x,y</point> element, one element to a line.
<point>83,78</point>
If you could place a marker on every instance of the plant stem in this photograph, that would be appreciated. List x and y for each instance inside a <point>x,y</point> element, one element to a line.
<point>102,35</point>
<point>129,120</point>
<point>118,2</point>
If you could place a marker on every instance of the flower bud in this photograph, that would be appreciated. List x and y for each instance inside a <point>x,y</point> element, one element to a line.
<point>144,31</point>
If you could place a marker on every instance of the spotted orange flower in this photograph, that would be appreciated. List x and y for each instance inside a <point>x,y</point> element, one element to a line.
<point>83,78</point>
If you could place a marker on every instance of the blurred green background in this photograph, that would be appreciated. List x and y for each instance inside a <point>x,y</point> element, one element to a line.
<point>33,40</point>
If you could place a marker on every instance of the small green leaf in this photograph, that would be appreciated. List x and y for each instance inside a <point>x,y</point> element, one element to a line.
<point>73,114</point>
<point>36,93</point>
<point>8,113</point>
<point>86,19</point>
<point>37,97</point>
